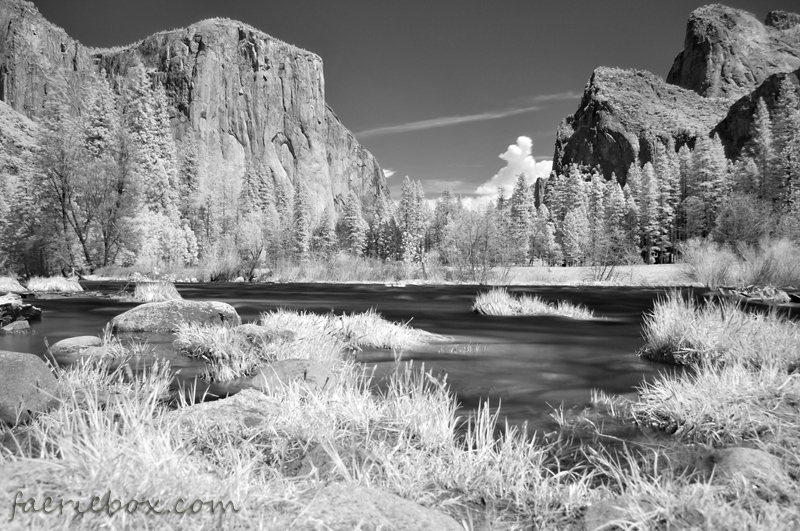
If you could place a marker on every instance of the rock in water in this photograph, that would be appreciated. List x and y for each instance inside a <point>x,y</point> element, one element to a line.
<point>12,309</point>
<point>27,387</point>
<point>168,315</point>
<point>73,345</point>
<point>17,327</point>
<point>252,104</point>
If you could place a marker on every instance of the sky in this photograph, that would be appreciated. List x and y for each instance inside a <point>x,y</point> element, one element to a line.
<point>459,93</point>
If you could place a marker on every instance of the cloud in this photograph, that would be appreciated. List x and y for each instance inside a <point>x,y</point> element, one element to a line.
<point>388,172</point>
<point>445,121</point>
<point>518,160</point>
<point>569,95</point>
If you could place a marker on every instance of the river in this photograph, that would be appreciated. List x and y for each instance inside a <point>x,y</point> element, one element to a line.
<point>528,364</point>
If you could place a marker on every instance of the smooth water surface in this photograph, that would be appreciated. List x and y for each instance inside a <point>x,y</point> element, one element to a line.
<point>529,364</point>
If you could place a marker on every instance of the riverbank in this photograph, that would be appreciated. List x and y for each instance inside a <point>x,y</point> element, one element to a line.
<point>302,455</point>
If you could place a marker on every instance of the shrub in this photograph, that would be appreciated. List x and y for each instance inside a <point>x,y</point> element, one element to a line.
<point>708,263</point>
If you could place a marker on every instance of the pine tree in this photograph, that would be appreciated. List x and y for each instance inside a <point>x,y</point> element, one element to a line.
<point>575,236</point>
<point>324,241</point>
<point>302,224</point>
<point>649,211</point>
<point>520,217</point>
<point>355,228</point>
<point>786,134</point>
<point>709,172</point>
<point>412,220</point>
<point>761,150</point>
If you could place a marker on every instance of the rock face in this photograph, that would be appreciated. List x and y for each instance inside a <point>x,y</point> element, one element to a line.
<point>736,129</point>
<point>727,51</point>
<point>167,316</point>
<point>27,387</point>
<point>255,105</point>
<point>626,116</point>
<point>729,60</point>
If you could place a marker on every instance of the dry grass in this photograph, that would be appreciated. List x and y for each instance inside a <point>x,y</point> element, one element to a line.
<point>358,330</point>
<point>499,301</point>
<point>54,284</point>
<point>156,292</point>
<point>11,284</point>
<point>770,263</point>
<point>682,332</point>
<point>231,353</point>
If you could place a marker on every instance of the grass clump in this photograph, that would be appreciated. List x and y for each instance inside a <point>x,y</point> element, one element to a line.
<point>156,292</point>
<point>499,301</point>
<point>235,352</point>
<point>232,352</point>
<point>358,330</point>
<point>680,331</point>
<point>54,284</point>
<point>11,284</point>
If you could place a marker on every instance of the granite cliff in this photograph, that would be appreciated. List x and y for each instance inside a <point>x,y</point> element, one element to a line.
<point>729,60</point>
<point>626,115</point>
<point>254,104</point>
<point>728,52</point>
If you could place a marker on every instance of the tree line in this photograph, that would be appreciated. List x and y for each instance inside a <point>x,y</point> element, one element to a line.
<point>109,185</point>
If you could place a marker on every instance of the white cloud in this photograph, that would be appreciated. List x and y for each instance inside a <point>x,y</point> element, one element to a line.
<point>388,172</point>
<point>444,121</point>
<point>518,160</point>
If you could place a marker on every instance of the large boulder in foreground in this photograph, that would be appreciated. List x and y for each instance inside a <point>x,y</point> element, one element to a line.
<point>27,387</point>
<point>167,316</point>
<point>343,506</point>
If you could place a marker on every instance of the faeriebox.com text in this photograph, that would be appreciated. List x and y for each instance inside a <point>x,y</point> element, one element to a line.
<point>110,506</point>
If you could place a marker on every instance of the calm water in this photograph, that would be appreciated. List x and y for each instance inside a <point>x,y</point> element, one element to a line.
<point>527,363</point>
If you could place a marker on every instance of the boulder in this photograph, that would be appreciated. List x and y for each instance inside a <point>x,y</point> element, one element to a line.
<point>167,316</point>
<point>74,345</point>
<point>27,387</point>
<point>17,327</point>
<point>760,469</point>
<point>247,409</point>
<point>347,506</point>
<point>313,374</point>
<point>12,309</point>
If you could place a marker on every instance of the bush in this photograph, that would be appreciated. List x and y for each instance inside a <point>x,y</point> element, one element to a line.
<point>769,263</point>
<point>707,262</point>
